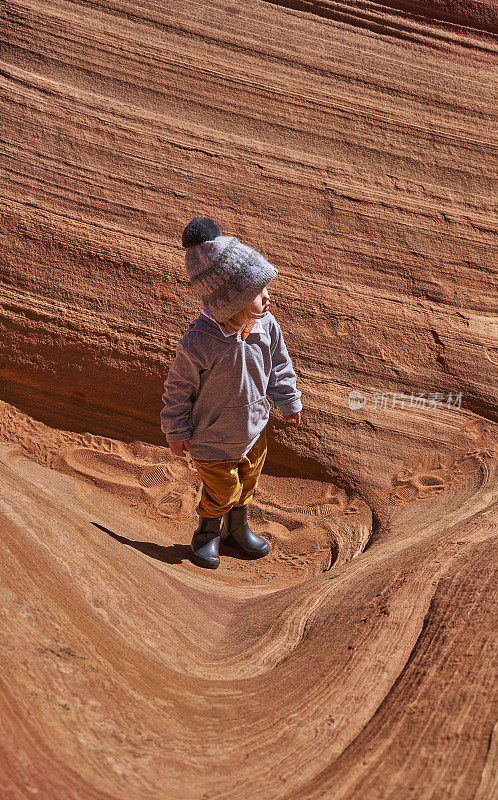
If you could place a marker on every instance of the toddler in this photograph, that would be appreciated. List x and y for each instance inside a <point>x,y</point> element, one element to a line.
<point>215,396</point>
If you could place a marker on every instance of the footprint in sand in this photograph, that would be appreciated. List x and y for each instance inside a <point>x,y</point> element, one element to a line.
<point>433,474</point>
<point>327,499</point>
<point>163,487</point>
<point>151,477</point>
<point>170,505</point>
<point>479,430</point>
<point>485,439</point>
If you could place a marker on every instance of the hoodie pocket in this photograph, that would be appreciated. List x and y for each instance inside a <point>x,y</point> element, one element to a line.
<point>238,423</point>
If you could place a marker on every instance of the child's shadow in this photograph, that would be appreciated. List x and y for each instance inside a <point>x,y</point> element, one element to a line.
<point>172,554</point>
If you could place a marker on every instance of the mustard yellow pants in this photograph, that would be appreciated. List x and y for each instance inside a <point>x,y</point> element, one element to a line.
<point>230,483</point>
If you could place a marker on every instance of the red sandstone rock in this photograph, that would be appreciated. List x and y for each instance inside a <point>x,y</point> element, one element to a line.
<point>353,144</point>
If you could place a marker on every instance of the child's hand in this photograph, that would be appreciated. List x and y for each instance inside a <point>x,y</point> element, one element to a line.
<point>293,417</point>
<point>177,448</point>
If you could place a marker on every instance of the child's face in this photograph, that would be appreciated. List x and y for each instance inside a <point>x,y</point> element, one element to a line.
<point>259,305</point>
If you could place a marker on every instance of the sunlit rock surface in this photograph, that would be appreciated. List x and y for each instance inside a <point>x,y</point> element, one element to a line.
<point>354,144</point>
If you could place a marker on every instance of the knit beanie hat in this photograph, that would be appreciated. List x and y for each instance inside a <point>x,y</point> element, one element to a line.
<point>225,273</point>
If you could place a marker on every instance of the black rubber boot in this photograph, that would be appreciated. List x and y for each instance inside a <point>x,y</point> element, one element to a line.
<point>206,541</point>
<point>237,533</point>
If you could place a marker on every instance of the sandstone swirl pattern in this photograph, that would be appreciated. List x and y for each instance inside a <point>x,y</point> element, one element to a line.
<point>354,144</point>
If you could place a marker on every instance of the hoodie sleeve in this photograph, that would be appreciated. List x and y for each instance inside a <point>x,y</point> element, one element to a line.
<point>282,382</point>
<point>180,390</point>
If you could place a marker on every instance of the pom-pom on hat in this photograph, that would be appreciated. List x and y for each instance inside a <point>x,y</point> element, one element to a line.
<point>225,273</point>
<point>200,229</point>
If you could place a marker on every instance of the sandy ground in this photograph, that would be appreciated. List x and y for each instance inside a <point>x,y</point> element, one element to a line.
<point>355,146</point>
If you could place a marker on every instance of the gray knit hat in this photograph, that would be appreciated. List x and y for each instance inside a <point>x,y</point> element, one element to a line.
<point>225,273</point>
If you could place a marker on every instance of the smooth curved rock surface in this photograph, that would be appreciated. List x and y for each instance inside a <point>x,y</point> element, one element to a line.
<point>354,145</point>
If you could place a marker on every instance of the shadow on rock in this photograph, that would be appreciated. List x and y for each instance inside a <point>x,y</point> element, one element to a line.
<point>172,554</point>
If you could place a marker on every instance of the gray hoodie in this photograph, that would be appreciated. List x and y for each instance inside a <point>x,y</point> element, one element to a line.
<point>215,392</point>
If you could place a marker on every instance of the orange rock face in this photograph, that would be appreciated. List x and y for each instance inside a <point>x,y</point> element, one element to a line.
<point>354,145</point>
